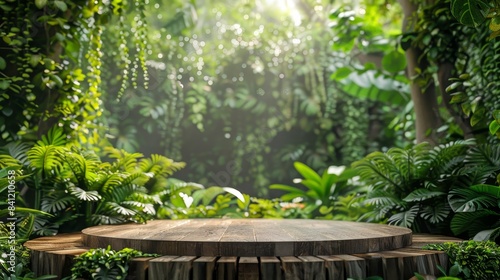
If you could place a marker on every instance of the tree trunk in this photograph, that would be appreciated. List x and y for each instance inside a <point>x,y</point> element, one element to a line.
<point>427,118</point>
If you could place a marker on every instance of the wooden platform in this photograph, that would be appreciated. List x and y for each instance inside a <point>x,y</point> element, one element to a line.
<point>54,255</point>
<point>249,237</point>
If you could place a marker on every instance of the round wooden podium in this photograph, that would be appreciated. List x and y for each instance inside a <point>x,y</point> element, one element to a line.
<point>249,237</point>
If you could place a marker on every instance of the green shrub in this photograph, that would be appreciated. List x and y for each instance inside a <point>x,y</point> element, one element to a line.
<point>104,263</point>
<point>472,259</point>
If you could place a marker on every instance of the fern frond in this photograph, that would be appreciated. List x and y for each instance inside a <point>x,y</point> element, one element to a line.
<point>83,166</point>
<point>46,159</point>
<point>160,165</point>
<point>484,155</point>
<point>448,157</point>
<point>8,161</point>
<point>55,137</point>
<point>125,161</point>
<point>118,193</point>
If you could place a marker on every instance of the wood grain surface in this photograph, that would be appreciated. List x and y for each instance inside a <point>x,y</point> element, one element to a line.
<point>249,237</point>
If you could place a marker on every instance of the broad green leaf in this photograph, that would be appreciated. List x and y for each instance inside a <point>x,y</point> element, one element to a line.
<point>470,12</point>
<point>314,186</point>
<point>477,116</point>
<point>307,172</point>
<point>494,127</point>
<point>490,234</point>
<point>341,73</point>
<point>3,64</point>
<point>377,88</point>
<point>287,189</point>
<point>487,189</point>
<point>394,62</point>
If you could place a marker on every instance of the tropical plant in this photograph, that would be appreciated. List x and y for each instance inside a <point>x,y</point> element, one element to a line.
<point>191,200</point>
<point>472,260</point>
<point>78,189</point>
<point>323,193</point>
<point>103,263</point>
<point>475,12</point>
<point>409,187</point>
<point>477,211</point>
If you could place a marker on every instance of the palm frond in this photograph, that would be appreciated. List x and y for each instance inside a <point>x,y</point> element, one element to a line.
<point>378,170</point>
<point>405,218</point>
<point>84,195</point>
<point>469,200</point>
<point>447,157</point>
<point>473,222</point>
<point>119,209</point>
<point>422,194</point>
<point>102,219</point>
<point>147,208</point>
<point>19,151</point>
<point>55,202</point>
<point>435,213</point>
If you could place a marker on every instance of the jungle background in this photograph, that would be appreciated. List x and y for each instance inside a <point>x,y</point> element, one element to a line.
<point>370,110</point>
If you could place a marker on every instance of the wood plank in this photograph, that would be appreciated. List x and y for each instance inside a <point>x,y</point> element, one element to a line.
<point>355,267</point>
<point>270,268</point>
<point>180,268</point>
<point>334,267</point>
<point>292,268</point>
<point>138,268</point>
<point>314,268</point>
<point>204,268</point>
<point>226,268</point>
<point>374,264</point>
<point>158,267</point>
<point>248,268</point>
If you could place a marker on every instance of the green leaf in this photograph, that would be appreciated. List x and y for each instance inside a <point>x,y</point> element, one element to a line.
<point>307,172</point>
<point>40,3</point>
<point>61,5</point>
<point>3,64</point>
<point>421,195</point>
<point>470,12</point>
<point>341,73</point>
<point>394,62</point>
<point>494,127</point>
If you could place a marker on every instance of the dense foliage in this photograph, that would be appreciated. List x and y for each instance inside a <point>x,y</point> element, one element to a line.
<point>242,96</point>
<point>104,263</point>
<point>472,259</point>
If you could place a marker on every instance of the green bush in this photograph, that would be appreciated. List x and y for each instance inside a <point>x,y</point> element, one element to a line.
<point>103,263</point>
<point>472,259</point>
